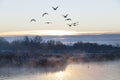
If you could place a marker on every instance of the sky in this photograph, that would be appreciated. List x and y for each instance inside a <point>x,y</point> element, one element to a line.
<point>94,16</point>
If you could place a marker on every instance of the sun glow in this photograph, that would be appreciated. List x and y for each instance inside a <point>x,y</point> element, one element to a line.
<point>60,75</point>
<point>49,33</point>
<point>59,32</point>
<point>40,32</point>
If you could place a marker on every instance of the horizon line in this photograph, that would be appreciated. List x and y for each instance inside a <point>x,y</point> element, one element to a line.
<point>53,33</point>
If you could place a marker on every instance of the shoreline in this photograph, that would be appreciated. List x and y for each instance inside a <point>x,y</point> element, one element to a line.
<point>52,60</point>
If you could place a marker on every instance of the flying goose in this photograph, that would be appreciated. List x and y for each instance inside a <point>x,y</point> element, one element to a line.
<point>76,23</point>
<point>65,16</point>
<point>55,8</point>
<point>32,20</point>
<point>69,19</point>
<point>70,25</point>
<point>48,22</point>
<point>44,14</point>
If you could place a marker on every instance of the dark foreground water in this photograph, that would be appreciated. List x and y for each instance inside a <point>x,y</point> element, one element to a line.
<point>83,71</point>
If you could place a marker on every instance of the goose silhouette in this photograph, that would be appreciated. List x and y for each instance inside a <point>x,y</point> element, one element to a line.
<point>65,16</point>
<point>69,19</point>
<point>32,20</point>
<point>48,22</point>
<point>70,25</point>
<point>55,8</point>
<point>76,23</point>
<point>44,14</point>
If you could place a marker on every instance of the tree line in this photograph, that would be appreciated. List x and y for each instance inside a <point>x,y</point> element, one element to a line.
<point>38,45</point>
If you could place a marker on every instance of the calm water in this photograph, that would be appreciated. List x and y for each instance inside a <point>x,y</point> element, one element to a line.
<point>87,71</point>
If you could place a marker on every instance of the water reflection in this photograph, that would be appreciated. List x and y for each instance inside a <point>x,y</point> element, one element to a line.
<point>95,71</point>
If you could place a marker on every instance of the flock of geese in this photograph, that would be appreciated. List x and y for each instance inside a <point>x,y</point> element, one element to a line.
<point>64,16</point>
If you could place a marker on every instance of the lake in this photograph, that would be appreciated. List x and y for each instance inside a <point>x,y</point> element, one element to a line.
<point>109,70</point>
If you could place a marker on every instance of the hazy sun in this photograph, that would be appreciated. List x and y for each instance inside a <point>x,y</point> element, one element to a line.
<point>45,33</point>
<point>60,75</point>
<point>59,32</point>
<point>40,32</point>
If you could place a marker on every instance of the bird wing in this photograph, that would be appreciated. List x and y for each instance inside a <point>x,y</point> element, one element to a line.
<point>55,8</point>
<point>48,22</point>
<point>44,14</point>
<point>65,16</point>
<point>68,19</point>
<point>74,24</point>
<point>32,20</point>
<point>69,25</point>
